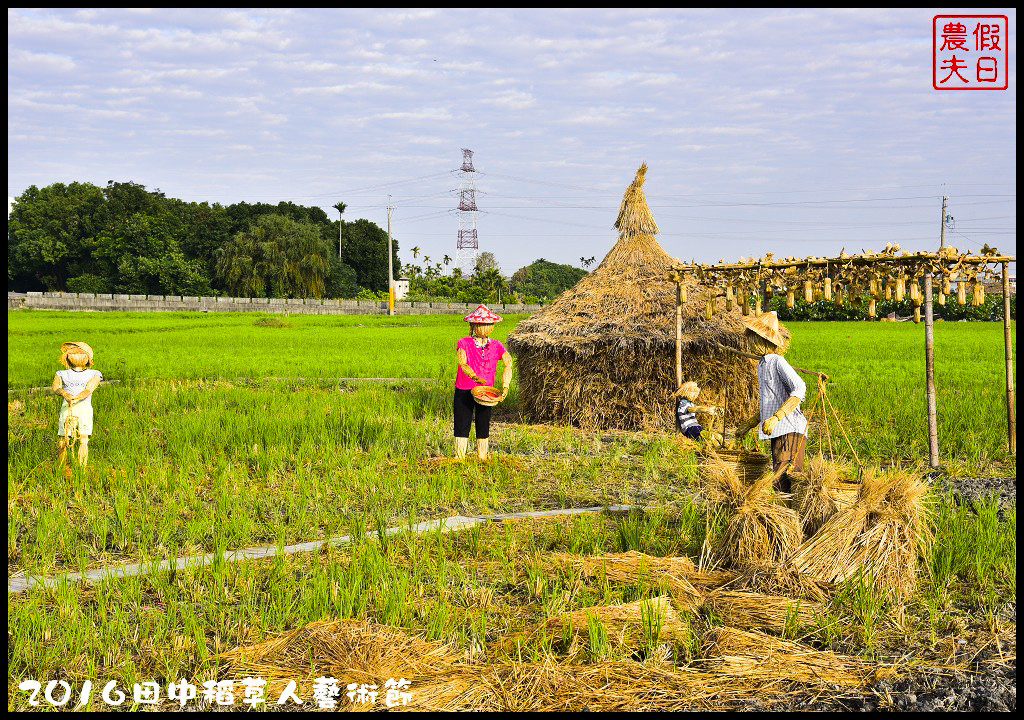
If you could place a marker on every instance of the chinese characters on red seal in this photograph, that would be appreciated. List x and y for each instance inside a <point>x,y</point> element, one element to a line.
<point>970,52</point>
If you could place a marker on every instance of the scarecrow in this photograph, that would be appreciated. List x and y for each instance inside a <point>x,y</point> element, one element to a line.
<point>478,357</point>
<point>782,391</point>
<point>687,409</point>
<point>75,384</point>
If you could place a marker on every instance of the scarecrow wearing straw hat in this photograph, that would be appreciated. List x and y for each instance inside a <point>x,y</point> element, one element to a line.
<point>478,357</point>
<point>75,384</point>
<point>782,391</point>
<point>687,409</point>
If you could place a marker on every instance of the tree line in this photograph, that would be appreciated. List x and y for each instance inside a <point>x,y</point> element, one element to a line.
<point>123,238</point>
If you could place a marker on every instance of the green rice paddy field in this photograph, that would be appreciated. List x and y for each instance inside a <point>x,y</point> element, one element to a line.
<point>225,431</point>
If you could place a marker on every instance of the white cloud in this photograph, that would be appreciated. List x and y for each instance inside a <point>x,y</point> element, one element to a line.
<point>27,59</point>
<point>557,102</point>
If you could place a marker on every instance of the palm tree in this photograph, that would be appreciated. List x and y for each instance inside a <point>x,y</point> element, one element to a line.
<point>491,281</point>
<point>416,252</point>
<point>447,259</point>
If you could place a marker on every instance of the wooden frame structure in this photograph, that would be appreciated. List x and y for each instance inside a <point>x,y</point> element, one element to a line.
<point>888,274</point>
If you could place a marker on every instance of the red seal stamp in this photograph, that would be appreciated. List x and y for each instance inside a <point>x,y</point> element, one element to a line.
<point>970,52</point>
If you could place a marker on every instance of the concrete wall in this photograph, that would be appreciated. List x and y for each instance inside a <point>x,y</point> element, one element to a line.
<point>89,302</point>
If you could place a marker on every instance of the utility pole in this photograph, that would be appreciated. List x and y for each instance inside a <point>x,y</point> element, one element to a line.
<point>391,273</point>
<point>942,232</point>
<point>340,207</point>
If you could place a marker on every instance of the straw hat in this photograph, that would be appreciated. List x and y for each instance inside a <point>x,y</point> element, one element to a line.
<point>767,326</point>
<point>482,316</point>
<point>486,395</point>
<point>71,347</point>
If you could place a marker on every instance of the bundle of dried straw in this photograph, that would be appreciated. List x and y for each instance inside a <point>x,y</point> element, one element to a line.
<point>625,625</point>
<point>761,531</point>
<point>880,537</point>
<point>757,655</point>
<point>820,491</point>
<point>674,574</point>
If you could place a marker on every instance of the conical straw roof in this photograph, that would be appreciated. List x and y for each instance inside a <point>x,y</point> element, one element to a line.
<point>634,213</point>
<point>628,300</point>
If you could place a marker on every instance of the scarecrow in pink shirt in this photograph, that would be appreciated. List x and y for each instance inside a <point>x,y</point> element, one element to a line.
<point>478,357</point>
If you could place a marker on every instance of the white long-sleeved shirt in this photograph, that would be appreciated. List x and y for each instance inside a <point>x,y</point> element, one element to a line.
<point>778,381</point>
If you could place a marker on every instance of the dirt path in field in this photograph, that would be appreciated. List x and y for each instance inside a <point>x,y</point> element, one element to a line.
<point>20,584</point>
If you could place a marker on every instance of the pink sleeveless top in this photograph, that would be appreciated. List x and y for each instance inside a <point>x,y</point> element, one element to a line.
<point>484,362</point>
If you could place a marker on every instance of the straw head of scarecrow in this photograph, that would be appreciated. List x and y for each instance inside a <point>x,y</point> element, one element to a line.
<point>689,390</point>
<point>481,321</point>
<point>763,334</point>
<point>76,355</point>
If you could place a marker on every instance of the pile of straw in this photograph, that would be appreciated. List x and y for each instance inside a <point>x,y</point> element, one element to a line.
<point>602,355</point>
<point>819,492</point>
<point>757,655</point>
<point>747,465</point>
<point>624,624</point>
<point>761,531</point>
<point>781,580</point>
<point>755,611</point>
<point>879,537</point>
<point>357,651</point>
<point>674,574</point>
<point>748,666</point>
<point>606,686</point>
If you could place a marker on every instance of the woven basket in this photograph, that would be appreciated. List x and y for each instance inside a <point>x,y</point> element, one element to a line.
<point>485,395</point>
<point>747,464</point>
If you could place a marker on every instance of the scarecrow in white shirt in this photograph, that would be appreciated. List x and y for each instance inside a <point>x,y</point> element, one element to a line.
<point>75,384</point>
<point>782,391</point>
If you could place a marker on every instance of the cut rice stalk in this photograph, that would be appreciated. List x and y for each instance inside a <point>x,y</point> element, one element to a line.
<point>754,654</point>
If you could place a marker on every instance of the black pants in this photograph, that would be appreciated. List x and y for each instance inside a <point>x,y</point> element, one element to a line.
<point>465,406</point>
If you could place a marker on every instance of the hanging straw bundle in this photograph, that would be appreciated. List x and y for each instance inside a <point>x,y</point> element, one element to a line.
<point>819,492</point>
<point>879,537</point>
<point>760,531</point>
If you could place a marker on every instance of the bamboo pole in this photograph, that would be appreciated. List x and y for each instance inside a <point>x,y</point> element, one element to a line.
<point>929,362</point>
<point>679,335</point>
<point>1011,411</point>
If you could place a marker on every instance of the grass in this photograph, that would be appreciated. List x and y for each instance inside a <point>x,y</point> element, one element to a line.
<point>450,587</point>
<point>203,447</point>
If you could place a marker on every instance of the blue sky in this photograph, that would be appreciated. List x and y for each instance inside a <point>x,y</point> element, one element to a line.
<point>797,132</point>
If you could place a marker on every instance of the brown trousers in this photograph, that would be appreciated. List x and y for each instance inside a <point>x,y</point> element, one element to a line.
<point>788,448</point>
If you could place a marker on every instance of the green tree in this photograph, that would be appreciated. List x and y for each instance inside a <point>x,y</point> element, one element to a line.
<point>276,257</point>
<point>365,249</point>
<point>485,261</point>
<point>492,284</point>
<point>545,279</point>
<point>50,235</point>
<point>141,253</point>
<point>205,229</point>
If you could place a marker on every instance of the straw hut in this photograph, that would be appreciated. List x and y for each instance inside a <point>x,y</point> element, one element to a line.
<point>602,355</point>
